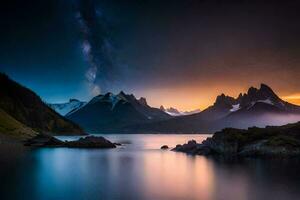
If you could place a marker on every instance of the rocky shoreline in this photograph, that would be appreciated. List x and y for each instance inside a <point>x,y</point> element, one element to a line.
<point>43,140</point>
<point>283,141</point>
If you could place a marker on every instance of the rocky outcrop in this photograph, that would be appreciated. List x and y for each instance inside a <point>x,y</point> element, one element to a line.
<point>43,140</point>
<point>164,147</point>
<point>91,142</point>
<point>281,141</point>
<point>192,147</point>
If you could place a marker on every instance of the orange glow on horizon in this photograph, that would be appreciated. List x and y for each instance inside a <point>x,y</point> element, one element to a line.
<point>189,98</point>
<point>294,98</point>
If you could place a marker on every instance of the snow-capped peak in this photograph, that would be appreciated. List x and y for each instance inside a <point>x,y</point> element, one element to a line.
<point>175,112</point>
<point>68,107</point>
<point>264,94</point>
<point>108,97</point>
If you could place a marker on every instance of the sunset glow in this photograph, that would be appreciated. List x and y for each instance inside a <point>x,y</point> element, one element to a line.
<point>191,98</point>
<point>294,98</point>
<point>150,99</point>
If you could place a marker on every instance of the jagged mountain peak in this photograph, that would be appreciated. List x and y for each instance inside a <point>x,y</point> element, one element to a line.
<point>143,101</point>
<point>125,96</point>
<point>175,112</point>
<point>264,86</point>
<point>122,93</point>
<point>172,111</point>
<point>114,99</point>
<point>264,94</point>
<point>267,91</point>
<point>68,107</point>
<point>116,111</point>
<point>240,95</point>
<point>223,100</point>
<point>252,91</point>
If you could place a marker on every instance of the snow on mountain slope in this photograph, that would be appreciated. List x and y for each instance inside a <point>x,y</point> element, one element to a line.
<point>67,108</point>
<point>175,112</point>
<point>114,112</point>
<point>235,107</point>
<point>109,98</point>
<point>267,101</point>
<point>264,95</point>
<point>191,112</point>
<point>257,107</point>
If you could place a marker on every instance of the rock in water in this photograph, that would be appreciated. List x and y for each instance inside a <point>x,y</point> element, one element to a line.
<point>43,140</point>
<point>190,147</point>
<point>91,142</point>
<point>164,147</point>
<point>281,141</point>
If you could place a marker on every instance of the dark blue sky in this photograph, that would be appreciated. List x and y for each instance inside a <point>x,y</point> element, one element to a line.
<point>168,51</point>
<point>39,48</point>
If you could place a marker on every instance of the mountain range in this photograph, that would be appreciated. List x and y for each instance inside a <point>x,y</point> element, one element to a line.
<point>110,113</point>
<point>258,107</point>
<point>24,114</point>
<point>175,112</point>
<point>124,113</point>
<point>68,107</point>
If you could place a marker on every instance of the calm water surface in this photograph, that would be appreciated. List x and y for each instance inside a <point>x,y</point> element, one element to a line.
<point>140,170</point>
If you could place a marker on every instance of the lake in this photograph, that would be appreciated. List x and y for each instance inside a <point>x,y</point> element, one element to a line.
<point>140,170</point>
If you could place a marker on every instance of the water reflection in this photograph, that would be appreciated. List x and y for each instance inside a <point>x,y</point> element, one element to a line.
<point>190,178</point>
<point>140,170</point>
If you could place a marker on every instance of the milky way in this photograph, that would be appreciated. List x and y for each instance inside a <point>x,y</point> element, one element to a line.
<point>96,46</point>
<point>179,53</point>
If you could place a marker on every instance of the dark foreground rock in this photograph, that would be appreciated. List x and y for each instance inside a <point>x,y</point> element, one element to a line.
<point>43,140</point>
<point>91,142</point>
<point>283,141</point>
<point>192,147</point>
<point>164,147</point>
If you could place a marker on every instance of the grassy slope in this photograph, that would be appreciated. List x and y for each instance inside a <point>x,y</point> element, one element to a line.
<point>13,128</point>
<point>26,107</point>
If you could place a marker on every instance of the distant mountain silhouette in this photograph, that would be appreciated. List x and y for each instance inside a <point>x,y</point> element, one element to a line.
<point>25,108</point>
<point>175,112</point>
<point>124,113</point>
<point>68,107</point>
<point>109,113</point>
<point>258,107</point>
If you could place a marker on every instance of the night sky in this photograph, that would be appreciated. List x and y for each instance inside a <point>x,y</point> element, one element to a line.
<point>175,53</point>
